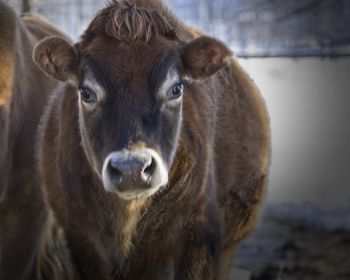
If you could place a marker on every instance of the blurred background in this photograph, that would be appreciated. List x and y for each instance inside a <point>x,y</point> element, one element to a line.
<point>298,54</point>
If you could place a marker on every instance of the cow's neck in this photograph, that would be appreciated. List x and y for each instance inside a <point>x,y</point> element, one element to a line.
<point>128,217</point>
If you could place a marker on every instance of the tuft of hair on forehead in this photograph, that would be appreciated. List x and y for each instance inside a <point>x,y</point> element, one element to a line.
<point>125,21</point>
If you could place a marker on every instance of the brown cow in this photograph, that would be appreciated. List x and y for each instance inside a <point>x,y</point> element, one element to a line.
<point>23,95</point>
<point>154,153</point>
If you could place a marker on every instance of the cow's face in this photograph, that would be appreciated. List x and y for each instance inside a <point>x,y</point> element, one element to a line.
<point>130,105</point>
<point>130,102</point>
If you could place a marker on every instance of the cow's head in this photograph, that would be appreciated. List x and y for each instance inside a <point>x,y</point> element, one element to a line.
<point>129,71</point>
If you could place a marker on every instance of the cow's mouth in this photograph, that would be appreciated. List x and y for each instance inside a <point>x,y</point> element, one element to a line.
<point>134,174</point>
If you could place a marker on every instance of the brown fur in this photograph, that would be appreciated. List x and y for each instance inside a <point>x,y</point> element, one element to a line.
<point>126,21</point>
<point>23,94</point>
<point>217,180</point>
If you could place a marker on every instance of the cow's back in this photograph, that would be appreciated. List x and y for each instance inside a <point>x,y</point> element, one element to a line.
<point>242,144</point>
<point>241,151</point>
<point>242,156</point>
<point>23,95</point>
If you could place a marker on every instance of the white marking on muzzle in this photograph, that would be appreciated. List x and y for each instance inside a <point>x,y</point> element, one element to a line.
<point>159,177</point>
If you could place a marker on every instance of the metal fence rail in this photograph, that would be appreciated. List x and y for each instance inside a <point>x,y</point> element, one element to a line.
<point>253,28</point>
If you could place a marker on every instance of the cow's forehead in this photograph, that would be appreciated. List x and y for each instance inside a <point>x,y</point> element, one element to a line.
<point>138,65</point>
<point>123,53</point>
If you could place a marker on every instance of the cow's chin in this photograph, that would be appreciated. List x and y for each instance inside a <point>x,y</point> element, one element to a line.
<point>136,195</point>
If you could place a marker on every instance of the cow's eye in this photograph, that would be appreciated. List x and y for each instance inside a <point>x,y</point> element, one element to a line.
<point>87,95</point>
<point>176,91</point>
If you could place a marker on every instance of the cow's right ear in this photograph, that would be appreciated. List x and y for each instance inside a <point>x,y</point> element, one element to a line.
<point>203,57</point>
<point>56,57</point>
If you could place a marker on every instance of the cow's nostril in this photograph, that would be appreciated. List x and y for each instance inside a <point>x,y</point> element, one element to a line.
<point>115,174</point>
<point>148,171</point>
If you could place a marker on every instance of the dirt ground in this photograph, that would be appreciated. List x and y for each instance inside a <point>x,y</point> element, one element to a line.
<point>283,250</point>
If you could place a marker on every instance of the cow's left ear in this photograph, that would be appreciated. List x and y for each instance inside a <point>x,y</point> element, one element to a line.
<point>203,57</point>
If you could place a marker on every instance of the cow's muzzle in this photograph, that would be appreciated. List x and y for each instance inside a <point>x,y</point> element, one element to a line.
<point>134,174</point>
